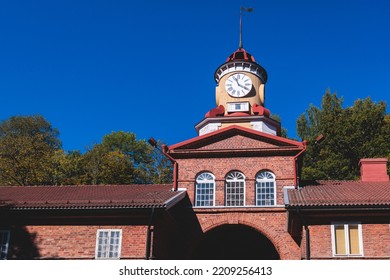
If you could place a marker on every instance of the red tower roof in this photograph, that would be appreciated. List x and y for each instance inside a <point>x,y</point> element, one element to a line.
<point>241,60</point>
<point>241,54</point>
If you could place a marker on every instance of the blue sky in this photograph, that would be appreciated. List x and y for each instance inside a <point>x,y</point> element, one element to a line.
<point>94,67</point>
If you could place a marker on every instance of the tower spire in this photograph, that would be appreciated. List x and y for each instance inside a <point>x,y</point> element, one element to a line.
<point>242,9</point>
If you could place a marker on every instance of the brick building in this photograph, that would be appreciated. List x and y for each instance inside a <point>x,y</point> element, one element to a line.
<point>236,194</point>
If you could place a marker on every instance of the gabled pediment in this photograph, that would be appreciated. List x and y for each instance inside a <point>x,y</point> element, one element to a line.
<point>234,139</point>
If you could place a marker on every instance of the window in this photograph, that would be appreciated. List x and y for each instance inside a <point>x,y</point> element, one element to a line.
<point>4,244</point>
<point>265,189</point>
<point>238,107</point>
<point>108,243</point>
<point>347,240</point>
<point>235,189</point>
<point>204,190</point>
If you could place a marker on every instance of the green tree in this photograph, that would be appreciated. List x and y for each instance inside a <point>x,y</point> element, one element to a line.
<point>359,131</point>
<point>31,154</point>
<point>27,147</point>
<point>69,168</point>
<point>161,171</point>
<point>103,166</point>
<point>138,152</point>
<point>122,159</point>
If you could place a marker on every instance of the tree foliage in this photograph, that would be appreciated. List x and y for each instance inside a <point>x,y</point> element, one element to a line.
<point>102,166</point>
<point>137,152</point>
<point>122,159</point>
<point>31,154</point>
<point>27,148</point>
<point>69,168</point>
<point>353,133</point>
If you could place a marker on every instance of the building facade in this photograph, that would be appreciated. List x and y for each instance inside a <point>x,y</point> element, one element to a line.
<point>236,194</point>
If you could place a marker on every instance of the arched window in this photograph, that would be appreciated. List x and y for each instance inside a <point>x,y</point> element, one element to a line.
<point>265,189</point>
<point>205,189</point>
<point>235,189</point>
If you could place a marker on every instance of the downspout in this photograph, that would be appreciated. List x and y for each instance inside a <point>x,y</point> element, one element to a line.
<point>296,163</point>
<point>307,231</point>
<point>307,234</point>
<point>175,166</point>
<point>149,236</point>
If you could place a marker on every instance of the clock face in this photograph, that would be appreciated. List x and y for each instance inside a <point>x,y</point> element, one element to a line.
<point>238,85</point>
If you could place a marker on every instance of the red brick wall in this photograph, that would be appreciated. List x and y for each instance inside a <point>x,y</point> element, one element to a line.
<point>79,242</point>
<point>240,141</point>
<point>281,166</point>
<point>376,241</point>
<point>320,241</point>
<point>270,222</point>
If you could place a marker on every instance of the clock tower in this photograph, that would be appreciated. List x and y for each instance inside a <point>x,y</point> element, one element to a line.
<point>240,83</point>
<point>240,96</point>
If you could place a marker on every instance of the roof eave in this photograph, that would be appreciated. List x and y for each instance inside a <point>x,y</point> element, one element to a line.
<point>174,200</point>
<point>95,206</point>
<point>343,207</point>
<point>81,207</point>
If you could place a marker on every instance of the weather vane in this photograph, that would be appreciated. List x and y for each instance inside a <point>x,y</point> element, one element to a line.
<point>242,9</point>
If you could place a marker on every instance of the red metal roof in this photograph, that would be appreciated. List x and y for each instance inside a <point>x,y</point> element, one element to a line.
<point>89,197</point>
<point>241,54</point>
<point>340,193</point>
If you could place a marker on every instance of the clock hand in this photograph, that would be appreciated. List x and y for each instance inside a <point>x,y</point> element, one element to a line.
<point>244,87</point>
<point>237,81</point>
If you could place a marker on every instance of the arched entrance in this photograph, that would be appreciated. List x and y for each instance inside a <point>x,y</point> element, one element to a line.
<point>235,242</point>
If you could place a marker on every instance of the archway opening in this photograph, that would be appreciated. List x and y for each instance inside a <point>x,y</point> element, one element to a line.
<point>235,242</point>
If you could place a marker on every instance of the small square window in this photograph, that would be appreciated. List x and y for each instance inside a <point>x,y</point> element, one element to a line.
<point>108,244</point>
<point>237,107</point>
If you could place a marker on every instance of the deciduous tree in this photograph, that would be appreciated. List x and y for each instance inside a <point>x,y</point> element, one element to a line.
<point>359,131</point>
<point>122,159</point>
<point>27,147</point>
<point>103,166</point>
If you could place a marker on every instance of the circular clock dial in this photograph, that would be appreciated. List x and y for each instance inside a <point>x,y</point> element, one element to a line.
<point>238,85</point>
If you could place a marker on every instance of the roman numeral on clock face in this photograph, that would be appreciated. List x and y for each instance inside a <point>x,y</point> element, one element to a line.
<point>238,85</point>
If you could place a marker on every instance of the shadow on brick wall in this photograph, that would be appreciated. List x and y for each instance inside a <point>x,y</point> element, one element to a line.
<point>22,245</point>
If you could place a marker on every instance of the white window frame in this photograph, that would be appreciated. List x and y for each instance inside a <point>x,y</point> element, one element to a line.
<point>231,107</point>
<point>4,246</point>
<point>233,177</point>
<point>269,177</point>
<point>204,178</point>
<point>109,244</point>
<point>346,236</point>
